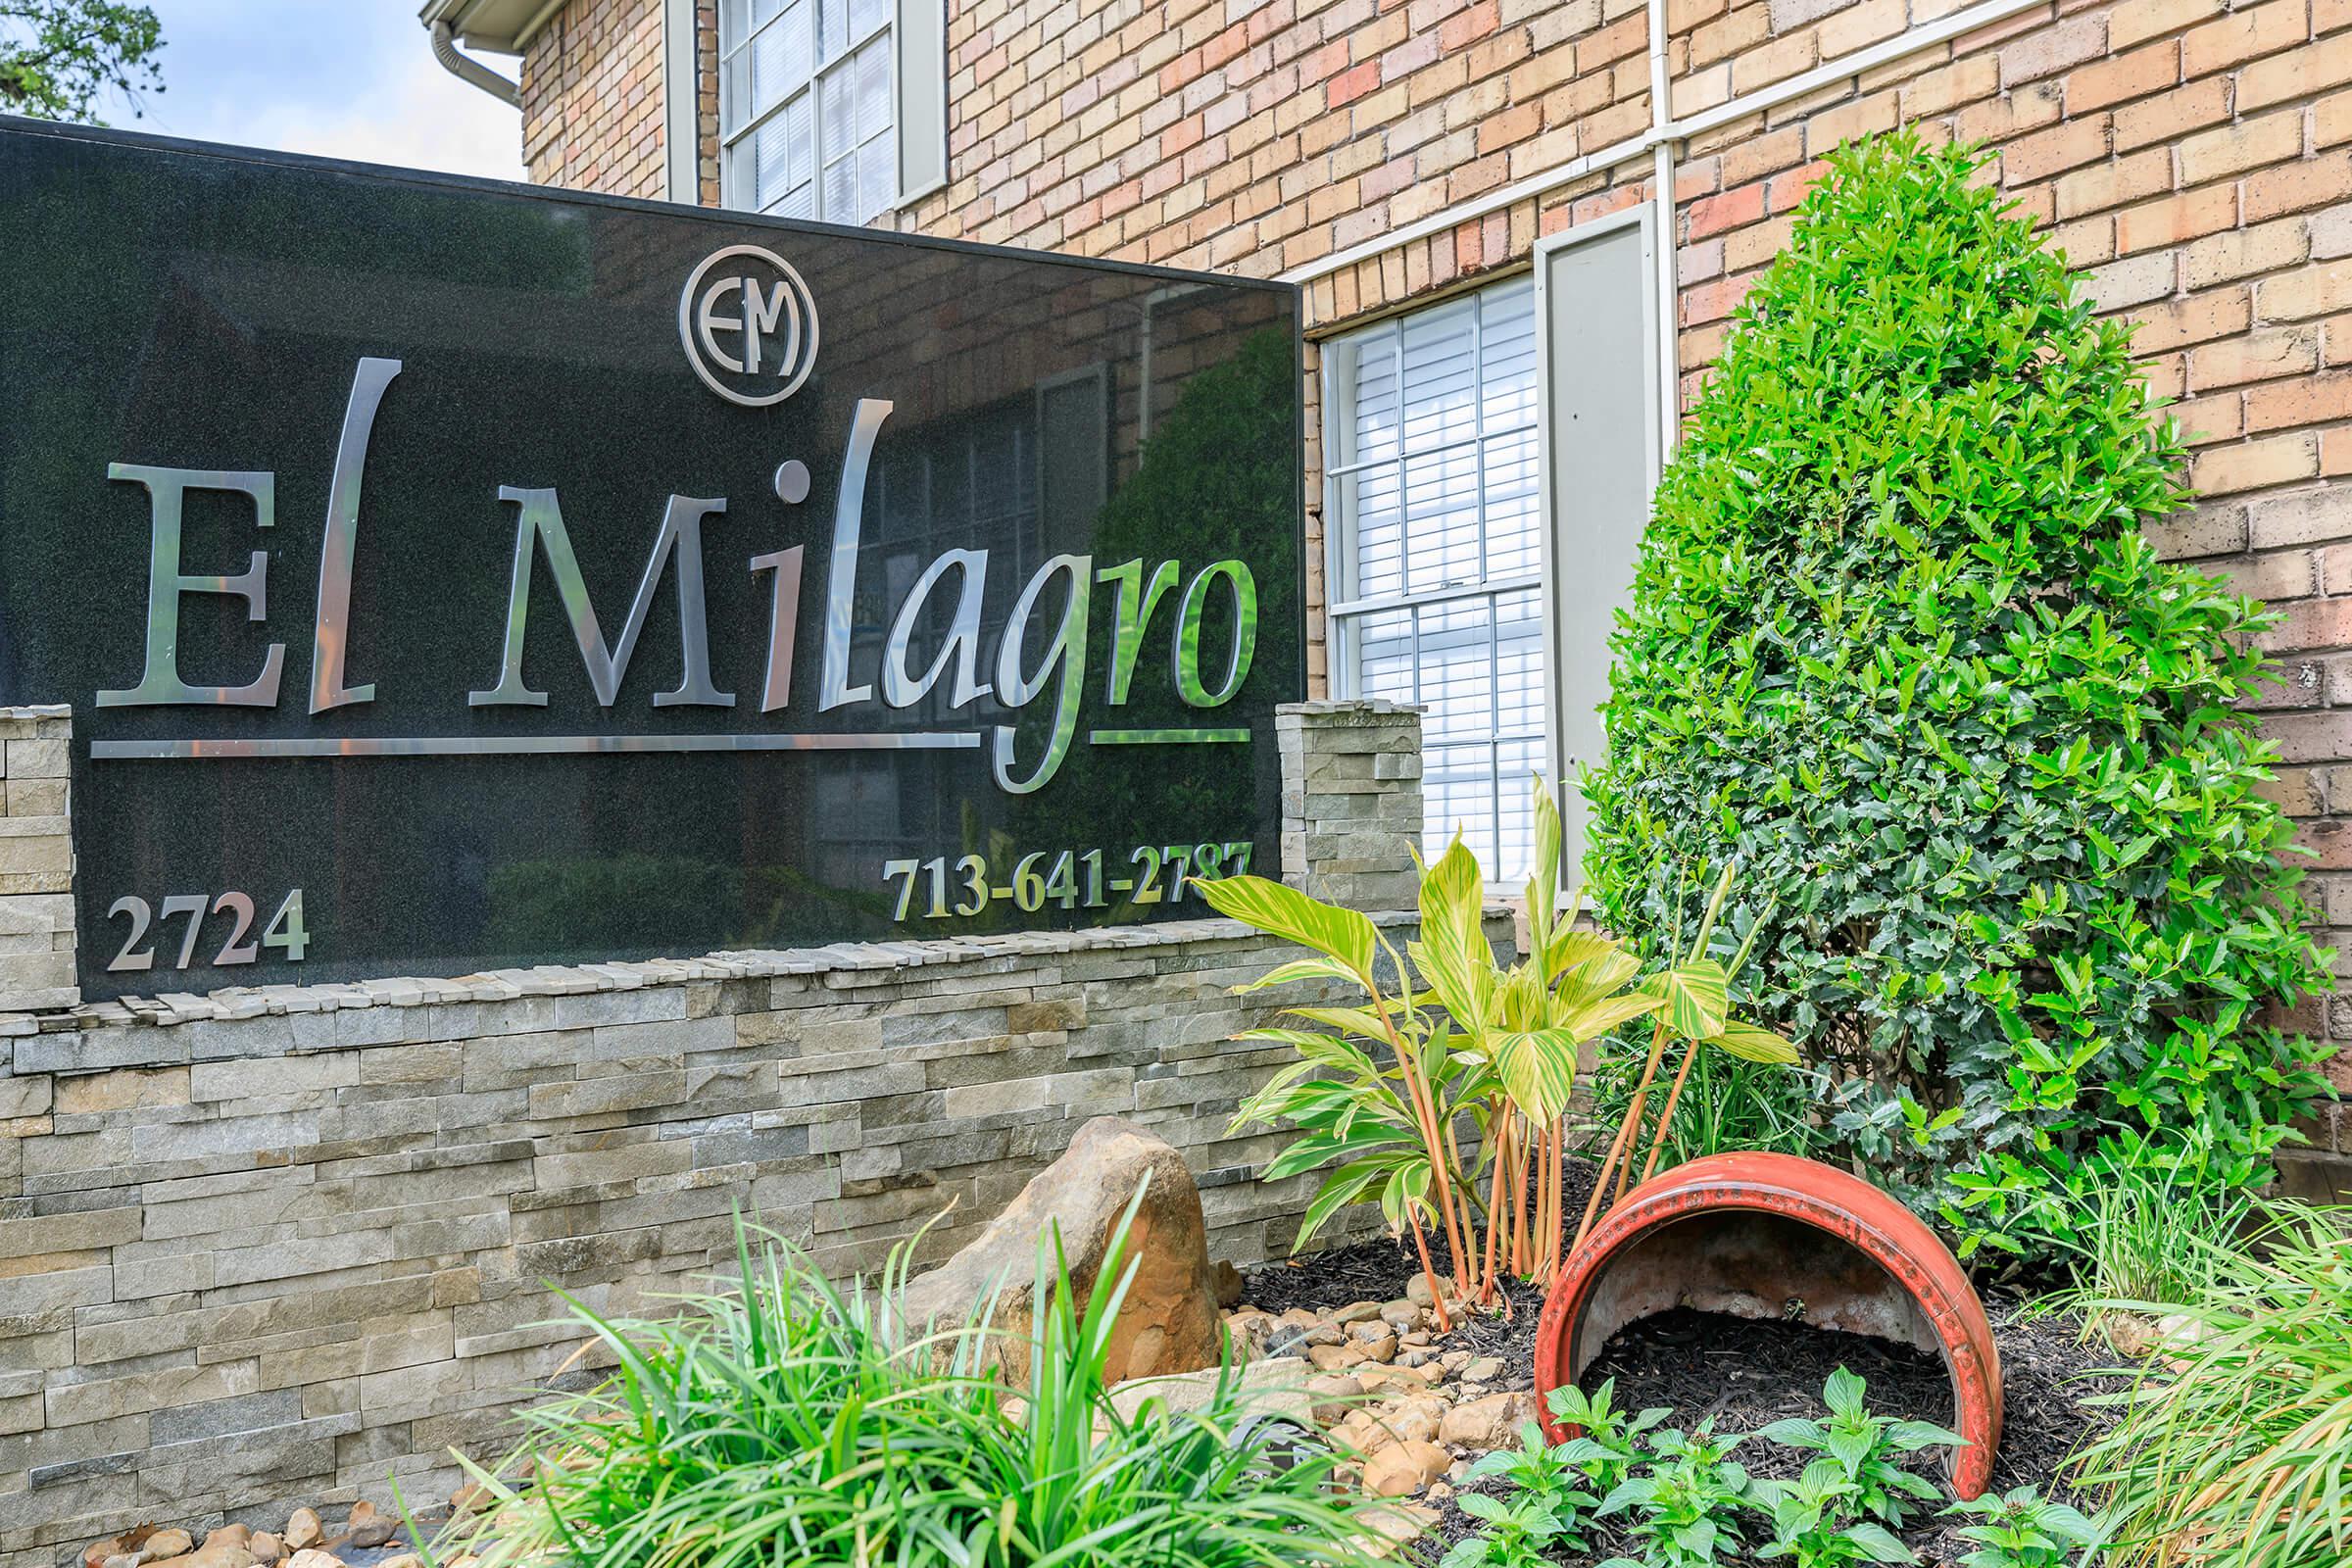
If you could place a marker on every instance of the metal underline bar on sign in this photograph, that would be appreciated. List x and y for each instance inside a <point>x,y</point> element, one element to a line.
<point>527,744</point>
<point>1168,737</point>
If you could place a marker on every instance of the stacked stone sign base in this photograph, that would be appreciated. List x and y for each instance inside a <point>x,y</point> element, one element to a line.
<point>276,1247</point>
<point>36,862</point>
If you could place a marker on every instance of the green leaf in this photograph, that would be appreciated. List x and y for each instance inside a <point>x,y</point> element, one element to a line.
<point>1843,1392</point>
<point>1696,997</point>
<point>1753,1043</point>
<point>1340,934</point>
<point>1879,1542</point>
<point>1538,1071</point>
<point>1453,954</point>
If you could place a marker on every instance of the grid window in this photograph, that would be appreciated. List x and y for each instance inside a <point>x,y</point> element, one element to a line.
<point>1436,554</point>
<point>806,107</point>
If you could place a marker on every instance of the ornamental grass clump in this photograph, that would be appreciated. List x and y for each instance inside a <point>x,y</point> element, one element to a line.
<point>1897,648</point>
<point>784,1420</point>
<point>2233,1450</point>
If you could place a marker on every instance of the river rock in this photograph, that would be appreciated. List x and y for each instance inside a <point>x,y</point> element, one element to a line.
<point>1482,1369</point>
<point>1226,1281</point>
<point>211,1554</point>
<point>1395,1526</point>
<point>303,1530</point>
<point>365,1528</point>
<point>1269,1389</point>
<point>1170,1321</point>
<point>1334,1396</point>
<point>1403,1467</point>
<point>1405,1379</point>
<point>125,1544</point>
<point>313,1557</point>
<point>267,1547</point>
<point>167,1544</point>
<point>1493,1422</point>
<point>1401,1315</point>
<point>1416,1420</point>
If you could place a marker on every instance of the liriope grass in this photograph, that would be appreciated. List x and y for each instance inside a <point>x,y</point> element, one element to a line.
<point>2235,1447</point>
<point>787,1420</point>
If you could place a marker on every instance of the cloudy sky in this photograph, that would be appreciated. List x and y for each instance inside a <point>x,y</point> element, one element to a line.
<point>346,79</point>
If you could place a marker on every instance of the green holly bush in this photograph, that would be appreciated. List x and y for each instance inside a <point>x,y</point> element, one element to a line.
<point>1898,645</point>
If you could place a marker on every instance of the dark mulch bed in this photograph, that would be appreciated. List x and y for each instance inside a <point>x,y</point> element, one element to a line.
<point>1748,1374</point>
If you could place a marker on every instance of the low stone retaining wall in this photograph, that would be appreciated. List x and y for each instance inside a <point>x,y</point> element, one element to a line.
<point>278,1245</point>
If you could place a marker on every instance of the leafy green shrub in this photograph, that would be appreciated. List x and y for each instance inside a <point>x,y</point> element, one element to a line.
<point>1611,1444</point>
<point>1862,1451</point>
<point>1521,1531</point>
<point>1813,1523</point>
<point>785,1420</point>
<point>1686,1511</point>
<point>2025,1529</point>
<point>2242,1455</point>
<point>1897,648</point>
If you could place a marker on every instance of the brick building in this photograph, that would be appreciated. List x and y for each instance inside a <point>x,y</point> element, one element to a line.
<point>1499,194</point>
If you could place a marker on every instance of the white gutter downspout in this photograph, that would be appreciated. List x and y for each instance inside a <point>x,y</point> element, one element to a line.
<point>1661,197</point>
<point>470,70</point>
<point>681,126</point>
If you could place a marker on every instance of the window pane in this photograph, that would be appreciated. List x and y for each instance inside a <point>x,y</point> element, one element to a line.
<point>784,154</point>
<point>873,89</point>
<point>833,32</point>
<point>1519,664</point>
<point>1384,645</point>
<point>840,191</point>
<point>1457,670</point>
<point>735,91</point>
<point>780,58</point>
<point>877,176</point>
<point>782,151</point>
<point>867,14</point>
<point>1458,787</point>
<point>764,11</point>
<point>1441,379</point>
<point>1518,765</point>
<point>1375,401</point>
<point>1440,519</point>
<point>1506,346</point>
<point>1437,416</point>
<point>1370,500</point>
<point>733,21</point>
<point>1514,512</point>
<point>839,91</point>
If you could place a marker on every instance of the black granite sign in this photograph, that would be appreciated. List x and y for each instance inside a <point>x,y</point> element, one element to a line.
<point>448,576</point>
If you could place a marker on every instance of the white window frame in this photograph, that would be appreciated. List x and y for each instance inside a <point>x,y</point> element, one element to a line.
<point>1339,613</point>
<point>913,103</point>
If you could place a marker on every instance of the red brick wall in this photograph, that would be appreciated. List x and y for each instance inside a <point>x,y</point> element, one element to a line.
<point>2194,156</point>
<point>592,99</point>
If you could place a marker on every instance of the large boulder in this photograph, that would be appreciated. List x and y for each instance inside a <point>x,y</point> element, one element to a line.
<point>1169,1321</point>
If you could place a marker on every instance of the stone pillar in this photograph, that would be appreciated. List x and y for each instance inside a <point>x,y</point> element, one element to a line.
<point>36,862</point>
<point>1352,801</point>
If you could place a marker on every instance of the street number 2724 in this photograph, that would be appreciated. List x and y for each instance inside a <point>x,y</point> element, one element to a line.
<point>284,931</point>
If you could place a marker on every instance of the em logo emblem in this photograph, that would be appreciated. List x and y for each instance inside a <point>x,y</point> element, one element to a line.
<point>749,325</point>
